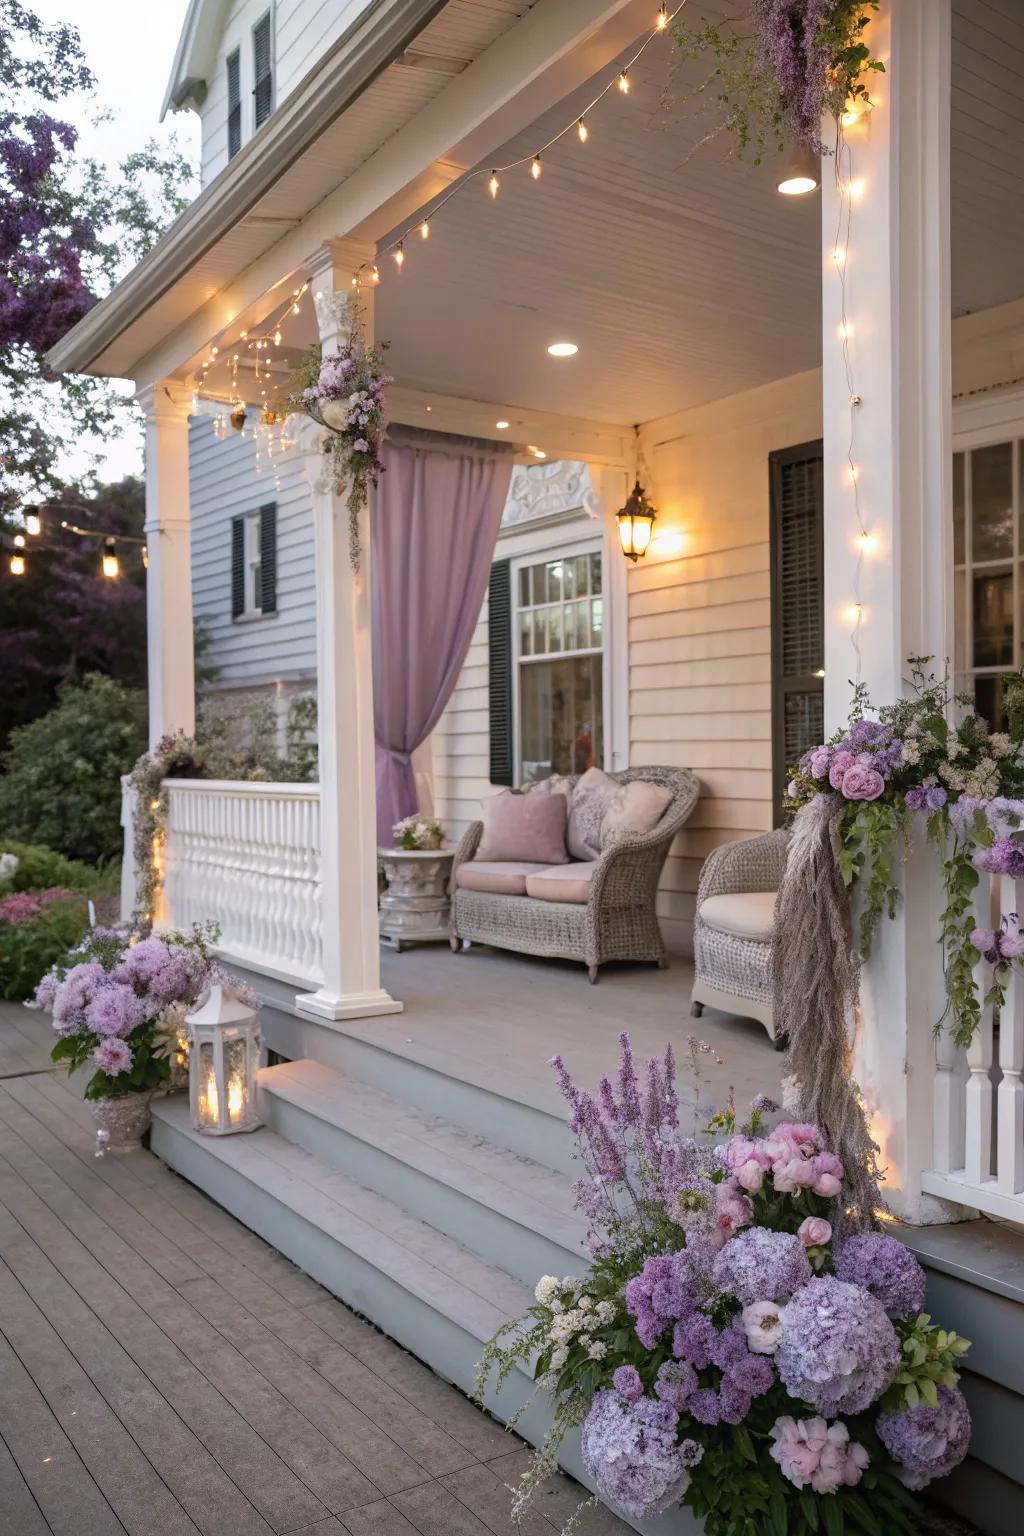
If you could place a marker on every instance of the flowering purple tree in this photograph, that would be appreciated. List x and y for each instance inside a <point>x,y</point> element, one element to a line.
<point>67,228</point>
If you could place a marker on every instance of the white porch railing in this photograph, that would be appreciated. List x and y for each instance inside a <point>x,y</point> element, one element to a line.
<point>978,1099</point>
<point>247,857</point>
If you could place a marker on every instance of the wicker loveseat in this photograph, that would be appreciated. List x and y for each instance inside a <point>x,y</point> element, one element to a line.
<point>611,918</point>
<point>732,940</point>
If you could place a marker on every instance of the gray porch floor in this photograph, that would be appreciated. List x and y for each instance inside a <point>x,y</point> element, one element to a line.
<point>497,1018</point>
<point>163,1371</point>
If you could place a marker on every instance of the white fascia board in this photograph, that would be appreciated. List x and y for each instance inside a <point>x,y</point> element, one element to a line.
<point>556,46</point>
<point>195,54</point>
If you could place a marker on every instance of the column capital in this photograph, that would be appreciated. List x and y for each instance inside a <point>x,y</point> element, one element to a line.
<point>339,259</point>
<point>165,400</point>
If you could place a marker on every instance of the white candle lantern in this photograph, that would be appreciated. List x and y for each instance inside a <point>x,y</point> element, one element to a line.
<point>224,1055</point>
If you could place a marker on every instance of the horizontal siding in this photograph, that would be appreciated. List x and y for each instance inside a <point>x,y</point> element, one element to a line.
<point>223,483</point>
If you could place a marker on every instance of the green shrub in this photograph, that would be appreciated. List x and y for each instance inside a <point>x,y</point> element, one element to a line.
<point>40,868</point>
<point>27,950</point>
<point>61,779</point>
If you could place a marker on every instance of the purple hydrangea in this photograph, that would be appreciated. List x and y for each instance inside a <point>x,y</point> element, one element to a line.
<point>744,1376</point>
<point>1004,857</point>
<point>626,1381</point>
<point>143,961</point>
<point>113,1056</point>
<point>885,1267</point>
<point>631,1452</point>
<point>838,1349</point>
<point>114,1010</point>
<point>669,1287</point>
<point>927,1442</point>
<point>74,994</point>
<point>760,1265</point>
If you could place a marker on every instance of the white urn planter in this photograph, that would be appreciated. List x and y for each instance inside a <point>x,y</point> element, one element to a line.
<point>415,905</point>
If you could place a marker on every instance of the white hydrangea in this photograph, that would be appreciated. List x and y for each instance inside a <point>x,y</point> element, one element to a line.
<point>8,866</point>
<point>546,1290</point>
<point>598,1350</point>
<point>605,1311</point>
<point>911,752</point>
<point>1000,744</point>
<point>585,1303</point>
<point>559,1357</point>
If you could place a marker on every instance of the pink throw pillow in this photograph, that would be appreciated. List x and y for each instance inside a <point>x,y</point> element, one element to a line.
<point>525,828</point>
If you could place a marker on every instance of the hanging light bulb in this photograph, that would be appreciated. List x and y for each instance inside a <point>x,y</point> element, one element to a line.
<point>375,273</point>
<point>663,19</point>
<point>277,338</point>
<point>493,184</point>
<point>582,131</point>
<point>33,522</point>
<point>425,230</point>
<point>536,168</point>
<point>623,83</point>
<point>110,566</point>
<point>399,255</point>
<point>19,541</point>
<point>145,557</point>
<point>17,565</point>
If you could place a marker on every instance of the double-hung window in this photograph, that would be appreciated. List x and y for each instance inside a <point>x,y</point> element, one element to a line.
<point>262,70</point>
<point>988,556</point>
<point>558,663</point>
<point>254,563</point>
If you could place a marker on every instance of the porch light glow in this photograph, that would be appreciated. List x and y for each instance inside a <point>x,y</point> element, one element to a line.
<point>493,184</point>
<point>636,520</point>
<point>800,174</point>
<point>399,255</point>
<point>662,21</point>
<point>502,426</point>
<point>110,564</point>
<point>536,168</point>
<point>224,1047</point>
<point>563,349</point>
<point>33,522</point>
<point>17,565</point>
<point>375,273</point>
<point>425,230</point>
<point>582,131</point>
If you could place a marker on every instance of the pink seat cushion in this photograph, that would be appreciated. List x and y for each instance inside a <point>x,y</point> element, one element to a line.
<point>564,882</point>
<point>497,877</point>
<point>524,828</point>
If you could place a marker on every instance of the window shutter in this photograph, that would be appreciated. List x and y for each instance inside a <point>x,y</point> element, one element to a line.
<point>499,634</point>
<point>798,607</point>
<point>263,88</point>
<point>234,68</point>
<point>237,566</point>
<point>268,558</point>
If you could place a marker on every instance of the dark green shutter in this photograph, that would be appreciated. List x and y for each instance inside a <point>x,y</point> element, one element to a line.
<point>234,71</point>
<point>237,566</point>
<point>263,88</point>
<point>268,558</point>
<point>798,607</point>
<point>499,634</point>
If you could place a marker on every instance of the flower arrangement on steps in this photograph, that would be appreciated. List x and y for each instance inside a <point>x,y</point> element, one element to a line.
<point>344,393</point>
<point>726,1350</point>
<point>966,781</point>
<point>119,1005</point>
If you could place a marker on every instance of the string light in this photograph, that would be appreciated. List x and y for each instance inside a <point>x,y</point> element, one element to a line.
<point>33,523</point>
<point>536,168</point>
<point>425,230</point>
<point>582,131</point>
<point>864,541</point>
<point>110,565</point>
<point>17,565</point>
<point>375,273</point>
<point>493,184</point>
<point>19,541</point>
<point>623,83</point>
<point>399,256</point>
<point>663,19</point>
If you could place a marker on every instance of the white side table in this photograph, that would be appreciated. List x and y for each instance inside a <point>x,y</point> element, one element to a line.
<point>414,905</point>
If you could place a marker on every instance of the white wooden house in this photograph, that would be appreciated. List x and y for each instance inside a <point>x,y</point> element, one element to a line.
<point>707,309</point>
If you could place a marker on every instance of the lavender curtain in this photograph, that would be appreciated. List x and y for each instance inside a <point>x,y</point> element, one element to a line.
<point>434,524</point>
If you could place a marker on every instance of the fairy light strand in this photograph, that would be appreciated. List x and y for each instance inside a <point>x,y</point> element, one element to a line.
<point>577,124</point>
<point>840,260</point>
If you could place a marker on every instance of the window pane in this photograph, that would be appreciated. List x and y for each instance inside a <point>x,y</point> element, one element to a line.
<point>561,717</point>
<point>988,701</point>
<point>595,573</point>
<point>959,552</point>
<point>524,586</point>
<point>554,618</point>
<point>992,502</point>
<point>257,585</point>
<point>582,625</point>
<point>540,583</point>
<point>526,634</point>
<point>993,620</point>
<point>597,622</point>
<point>555,581</point>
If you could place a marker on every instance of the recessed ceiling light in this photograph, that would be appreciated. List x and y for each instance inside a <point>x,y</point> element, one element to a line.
<point>501,425</point>
<point>563,349</point>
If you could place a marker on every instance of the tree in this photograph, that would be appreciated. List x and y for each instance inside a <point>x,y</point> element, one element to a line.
<point>68,229</point>
<point>63,619</point>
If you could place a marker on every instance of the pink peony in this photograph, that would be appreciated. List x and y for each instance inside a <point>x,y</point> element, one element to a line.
<point>828,1174</point>
<point>810,1451</point>
<point>821,761</point>
<point>862,783</point>
<point>113,1056</point>
<point>732,1210</point>
<point>799,1173</point>
<point>750,1176</point>
<point>814,1232</point>
<point>763,1323</point>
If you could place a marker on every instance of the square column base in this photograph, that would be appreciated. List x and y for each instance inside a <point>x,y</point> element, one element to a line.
<point>346,1005</point>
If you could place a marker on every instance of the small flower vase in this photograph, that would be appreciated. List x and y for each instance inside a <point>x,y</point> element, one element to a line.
<point>121,1123</point>
<point>334,413</point>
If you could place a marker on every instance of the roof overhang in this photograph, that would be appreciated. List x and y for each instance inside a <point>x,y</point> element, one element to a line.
<point>340,76</point>
<point>195,54</point>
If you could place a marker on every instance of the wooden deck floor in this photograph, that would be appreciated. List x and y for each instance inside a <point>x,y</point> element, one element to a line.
<point>163,1371</point>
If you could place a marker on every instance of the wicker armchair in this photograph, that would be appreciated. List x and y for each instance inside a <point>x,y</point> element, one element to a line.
<point>618,920</point>
<point>733,941</point>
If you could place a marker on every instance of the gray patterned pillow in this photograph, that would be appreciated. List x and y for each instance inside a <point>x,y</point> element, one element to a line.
<point>587,806</point>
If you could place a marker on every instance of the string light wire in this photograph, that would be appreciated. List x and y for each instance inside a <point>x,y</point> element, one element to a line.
<point>840,255</point>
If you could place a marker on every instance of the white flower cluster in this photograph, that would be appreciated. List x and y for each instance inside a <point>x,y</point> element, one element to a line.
<point>8,867</point>
<point>575,1316</point>
<point>417,832</point>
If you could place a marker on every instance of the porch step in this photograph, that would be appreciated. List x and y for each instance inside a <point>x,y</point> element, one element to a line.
<point>510,1210</point>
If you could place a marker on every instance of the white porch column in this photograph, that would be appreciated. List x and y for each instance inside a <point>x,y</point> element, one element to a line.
<point>897,310</point>
<point>348,797</point>
<point>168,529</point>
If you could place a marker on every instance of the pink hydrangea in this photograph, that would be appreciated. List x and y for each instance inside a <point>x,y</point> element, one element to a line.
<point>114,1010</point>
<point>74,994</point>
<point>812,1452</point>
<point>113,1056</point>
